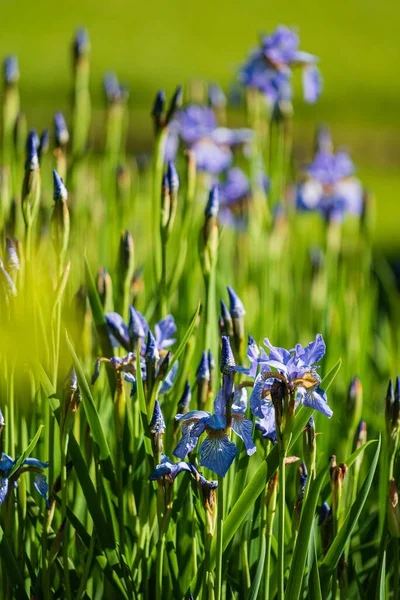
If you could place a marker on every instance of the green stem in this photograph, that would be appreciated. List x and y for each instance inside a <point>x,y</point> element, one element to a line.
<point>281,529</point>
<point>163,281</point>
<point>220,540</point>
<point>210,325</point>
<point>396,569</point>
<point>64,495</point>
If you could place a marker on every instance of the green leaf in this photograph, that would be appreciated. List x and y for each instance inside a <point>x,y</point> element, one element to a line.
<point>338,545</point>
<point>26,452</point>
<point>105,533</point>
<point>143,412</point>
<point>299,557</point>
<point>255,586</point>
<point>330,376</point>
<point>11,568</point>
<point>89,406</point>
<point>98,313</point>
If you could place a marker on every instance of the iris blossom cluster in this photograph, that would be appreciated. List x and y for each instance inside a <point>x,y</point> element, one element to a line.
<point>154,354</point>
<point>330,186</point>
<point>269,68</point>
<point>195,126</point>
<point>217,451</point>
<point>296,368</point>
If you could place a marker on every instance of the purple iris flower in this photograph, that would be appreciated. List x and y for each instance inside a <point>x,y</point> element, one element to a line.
<point>234,194</point>
<point>29,464</point>
<point>127,336</point>
<point>269,68</point>
<point>195,122</point>
<point>280,48</point>
<point>298,367</point>
<point>331,187</point>
<point>168,469</point>
<point>217,452</point>
<point>196,126</point>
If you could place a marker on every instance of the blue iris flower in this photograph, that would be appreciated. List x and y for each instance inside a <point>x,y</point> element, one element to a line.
<point>330,186</point>
<point>168,469</point>
<point>127,336</point>
<point>217,452</point>
<point>29,464</point>
<point>196,127</point>
<point>269,68</point>
<point>298,369</point>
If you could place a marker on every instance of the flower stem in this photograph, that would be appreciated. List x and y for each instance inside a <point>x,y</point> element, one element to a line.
<point>64,492</point>
<point>220,527</point>
<point>281,529</point>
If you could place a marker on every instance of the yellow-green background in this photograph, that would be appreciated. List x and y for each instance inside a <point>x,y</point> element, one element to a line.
<point>157,44</point>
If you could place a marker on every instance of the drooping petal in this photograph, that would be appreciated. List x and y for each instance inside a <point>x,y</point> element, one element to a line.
<point>316,399</point>
<point>118,330</point>
<point>243,428</point>
<point>42,486</point>
<point>165,330</point>
<point>217,453</point>
<point>34,462</point>
<point>170,379</point>
<point>189,440</point>
<point>166,467</point>
<point>6,463</point>
<point>312,83</point>
<point>3,489</point>
<point>257,401</point>
<point>267,424</point>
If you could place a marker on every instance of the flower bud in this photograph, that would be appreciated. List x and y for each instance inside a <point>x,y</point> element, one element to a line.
<point>237,312</point>
<point>211,366</point>
<point>105,289</point>
<point>61,134</point>
<point>158,110</point>
<point>43,144</point>
<point>175,104</point>
<point>12,262</point>
<point>157,429</point>
<point>209,235</point>
<point>309,446</point>
<point>60,218</point>
<point>70,402</point>
<point>203,380</point>
<point>225,321</point>
<point>325,522</point>
<point>184,402</point>
<point>11,71</point>
<point>125,269</point>
<point>81,44</point>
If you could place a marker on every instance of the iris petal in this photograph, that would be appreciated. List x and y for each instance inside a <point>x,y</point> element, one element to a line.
<point>243,428</point>
<point>3,488</point>
<point>317,400</point>
<point>217,453</point>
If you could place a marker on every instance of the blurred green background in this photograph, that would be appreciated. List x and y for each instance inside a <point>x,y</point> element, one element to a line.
<point>156,44</point>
